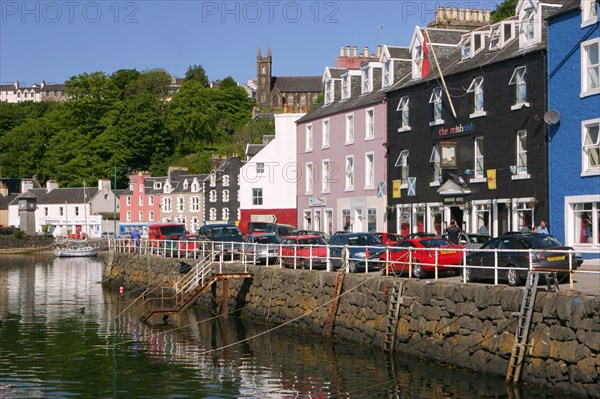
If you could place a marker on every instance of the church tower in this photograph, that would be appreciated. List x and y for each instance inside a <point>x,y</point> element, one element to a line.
<point>263,79</point>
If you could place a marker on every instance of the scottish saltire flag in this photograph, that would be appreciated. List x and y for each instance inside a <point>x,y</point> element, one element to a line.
<point>412,186</point>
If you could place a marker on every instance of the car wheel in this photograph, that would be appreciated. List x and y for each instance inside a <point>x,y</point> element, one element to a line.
<point>468,275</point>
<point>513,278</point>
<point>352,267</point>
<point>418,271</point>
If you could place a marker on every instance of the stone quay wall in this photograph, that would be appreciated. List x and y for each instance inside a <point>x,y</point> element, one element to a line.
<point>467,325</point>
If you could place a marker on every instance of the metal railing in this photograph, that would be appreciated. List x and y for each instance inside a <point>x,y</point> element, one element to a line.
<point>414,262</point>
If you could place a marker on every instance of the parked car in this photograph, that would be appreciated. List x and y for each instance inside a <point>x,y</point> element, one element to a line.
<point>321,234</point>
<point>281,230</point>
<point>389,238</point>
<point>227,238</point>
<point>471,240</point>
<point>421,234</point>
<point>304,251</point>
<point>262,248</point>
<point>189,246</point>
<point>162,235</point>
<point>362,249</point>
<point>547,254</point>
<point>421,252</point>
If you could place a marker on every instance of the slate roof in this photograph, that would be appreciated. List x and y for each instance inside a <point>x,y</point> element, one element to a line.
<point>74,195</point>
<point>336,73</point>
<point>399,52</point>
<point>570,6</point>
<point>445,36</point>
<point>253,149</point>
<point>5,201</point>
<point>297,84</point>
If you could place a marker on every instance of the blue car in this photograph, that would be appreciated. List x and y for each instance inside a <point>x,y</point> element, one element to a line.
<point>363,249</point>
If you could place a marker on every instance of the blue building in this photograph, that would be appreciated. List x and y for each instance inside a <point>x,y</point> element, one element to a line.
<point>574,138</point>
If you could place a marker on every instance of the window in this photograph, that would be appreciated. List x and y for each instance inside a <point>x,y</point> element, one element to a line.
<point>46,211</point>
<point>309,178</point>
<point>325,173</point>
<point>435,161</point>
<point>448,151</point>
<point>225,214</point>
<point>528,21</point>
<point>128,200</point>
<point>478,161</point>
<point>180,204</point>
<point>167,204</point>
<point>402,162</point>
<point>325,137</point>
<point>436,100</point>
<point>524,216</point>
<point>309,138</point>
<point>260,168</point>
<point>225,195</point>
<point>522,153</point>
<point>585,225</point>
<point>307,220</point>
<point>589,12</point>
<point>388,75</point>
<point>141,200</point>
<point>212,214</point>
<point>476,88</point>
<point>128,216</point>
<point>417,63</point>
<point>371,220</point>
<point>185,185</point>
<point>195,223</point>
<point>404,119</point>
<point>590,68</point>
<point>151,200</point>
<point>370,124</point>
<point>195,204</point>
<point>141,188</point>
<point>226,180</point>
<point>257,196</point>
<point>213,180</point>
<point>303,100</point>
<point>591,147</point>
<point>369,170</point>
<point>346,79</point>
<point>519,80</point>
<point>366,80</point>
<point>290,100</point>
<point>151,216</point>
<point>349,129</point>
<point>346,225</point>
<point>349,172</point>
<point>212,196</point>
<point>141,216</point>
<point>329,91</point>
<point>465,47</point>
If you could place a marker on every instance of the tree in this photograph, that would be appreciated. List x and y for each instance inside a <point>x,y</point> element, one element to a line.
<point>154,81</point>
<point>197,73</point>
<point>504,10</point>
<point>122,78</point>
<point>228,83</point>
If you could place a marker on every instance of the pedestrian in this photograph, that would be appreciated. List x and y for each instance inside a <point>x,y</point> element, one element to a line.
<point>542,229</point>
<point>135,237</point>
<point>453,231</point>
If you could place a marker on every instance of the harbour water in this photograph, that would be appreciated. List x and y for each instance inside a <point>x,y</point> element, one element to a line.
<point>63,335</point>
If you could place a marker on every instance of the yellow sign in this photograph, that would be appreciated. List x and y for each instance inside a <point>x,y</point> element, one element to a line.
<point>396,193</point>
<point>491,179</point>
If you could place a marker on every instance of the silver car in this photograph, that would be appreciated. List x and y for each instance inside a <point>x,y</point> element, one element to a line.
<point>262,248</point>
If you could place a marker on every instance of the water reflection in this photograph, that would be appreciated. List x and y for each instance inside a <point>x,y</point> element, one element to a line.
<point>61,337</point>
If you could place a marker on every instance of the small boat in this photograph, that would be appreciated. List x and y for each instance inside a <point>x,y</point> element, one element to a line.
<point>76,250</point>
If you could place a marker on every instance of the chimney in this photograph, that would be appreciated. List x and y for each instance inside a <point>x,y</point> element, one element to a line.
<point>3,189</point>
<point>348,54</point>
<point>103,184</point>
<point>354,51</point>
<point>341,51</point>
<point>51,185</point>
<point>366,52</point>
<point>378,50</point>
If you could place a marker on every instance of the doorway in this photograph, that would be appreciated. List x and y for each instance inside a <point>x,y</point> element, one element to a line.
<point>457,214</point>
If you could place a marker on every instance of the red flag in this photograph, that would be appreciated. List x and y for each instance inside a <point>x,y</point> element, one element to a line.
<point>425,65</point>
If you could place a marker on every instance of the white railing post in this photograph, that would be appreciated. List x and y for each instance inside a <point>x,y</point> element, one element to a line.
<point>328,264</point>
<point>410,253</point>
<point>496,266</point>
<point>464,251</point>
<point>436,263</point>
<point>310,259</point>
<point>387,260</point>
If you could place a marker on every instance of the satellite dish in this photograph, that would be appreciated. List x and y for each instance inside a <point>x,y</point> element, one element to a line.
<point>551,117</point>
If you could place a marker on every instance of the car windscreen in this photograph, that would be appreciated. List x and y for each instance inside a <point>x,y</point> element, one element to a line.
<point>222,232</point>
<point>435,243</point>
<point>312,241</point>
<point>479,239</point>
<point>266,240</point>
<point>362,240</point>
<point>168,230</point>
<point>539,242</point>
<point>258,226</point>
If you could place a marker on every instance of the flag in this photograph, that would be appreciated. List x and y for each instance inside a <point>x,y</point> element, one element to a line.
<point>396,193</point>
<point>381,189</point>
<point>491,179</point>
<point>412,186</point>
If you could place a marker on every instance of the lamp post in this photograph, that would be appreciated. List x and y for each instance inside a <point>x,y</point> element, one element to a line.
<point>115,204</point>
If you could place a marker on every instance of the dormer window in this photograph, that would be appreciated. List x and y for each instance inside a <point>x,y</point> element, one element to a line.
<point>589,12</point>
<point>388,73</point>
<point>530,28</point>
<point>346,79</point>
<point>157,185</point>
<point>366,80</point>
<point>465,47</point>
<point>329,91</point>
<point>501,34</point>
<point>417,56</point>
<point>213,180</point>
<point>472,44</point>
<point>185,185</point>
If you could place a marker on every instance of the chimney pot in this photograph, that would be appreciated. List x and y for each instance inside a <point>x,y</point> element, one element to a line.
<point>378,50</point>
<point>354,51</point>
<point>348,54</point>
<point>366,52</point>
<point>341,51</point>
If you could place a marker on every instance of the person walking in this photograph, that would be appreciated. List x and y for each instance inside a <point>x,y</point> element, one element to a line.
<point>135,237</point>
<point>542,229</point>
<point>453,231</point>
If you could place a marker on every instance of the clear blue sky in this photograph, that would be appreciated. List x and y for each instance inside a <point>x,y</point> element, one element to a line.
<point>53,40</point>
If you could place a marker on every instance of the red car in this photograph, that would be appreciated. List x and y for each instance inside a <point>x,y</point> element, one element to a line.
<point>303,251</point>
<point>422,252</point>
<point>389,238</point>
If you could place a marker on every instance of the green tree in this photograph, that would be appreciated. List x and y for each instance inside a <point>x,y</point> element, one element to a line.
<point>506,9</point>
<point>227,83</point>
<point>154,81</point>
<point>197,73</point>
<point>122,78</point>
